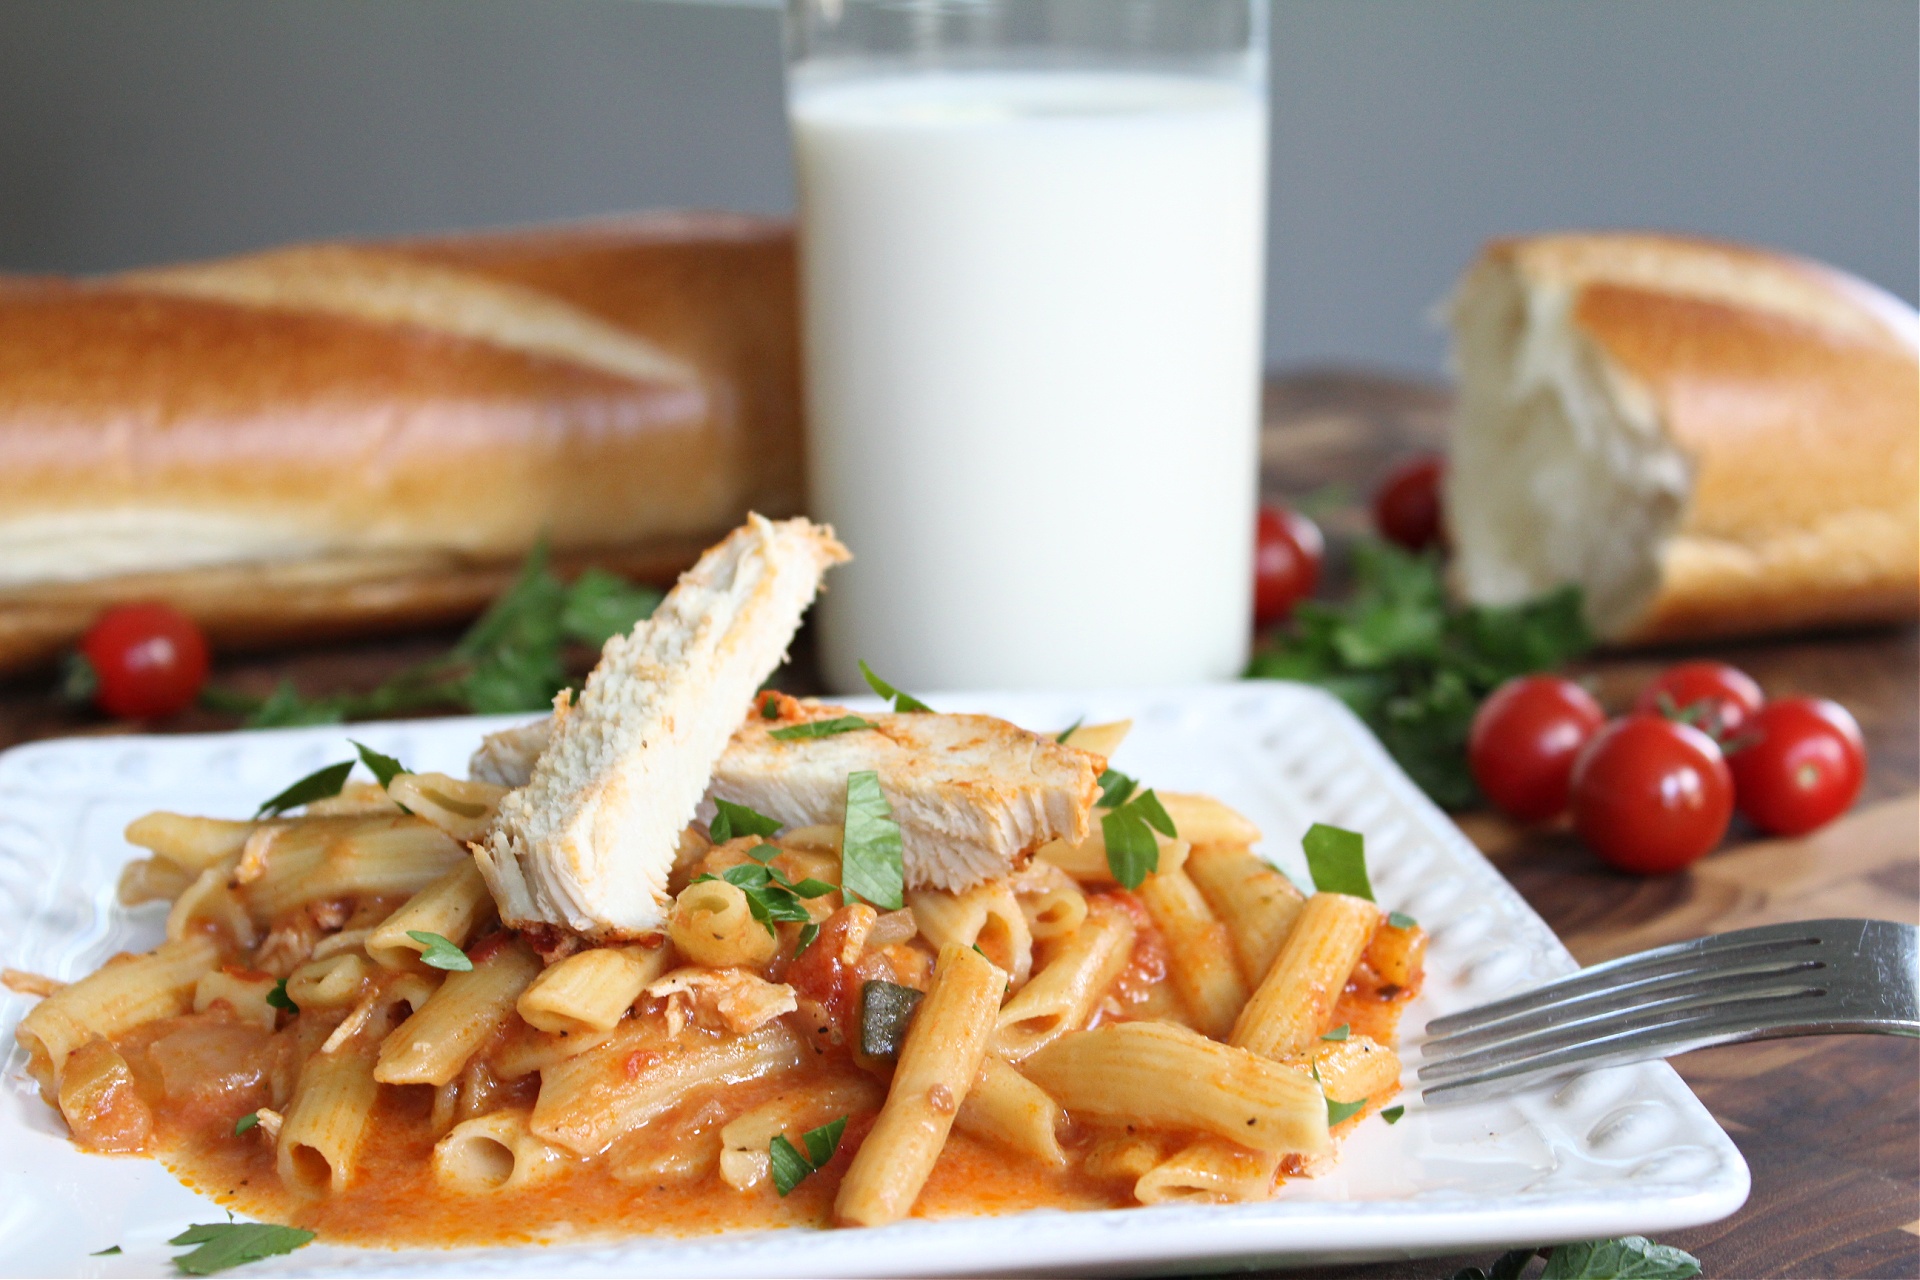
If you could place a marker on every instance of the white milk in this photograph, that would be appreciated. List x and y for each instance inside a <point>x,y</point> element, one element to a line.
<point>1033,308</point>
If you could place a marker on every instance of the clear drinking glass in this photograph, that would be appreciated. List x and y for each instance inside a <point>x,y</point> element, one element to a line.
<point>1032,247</point>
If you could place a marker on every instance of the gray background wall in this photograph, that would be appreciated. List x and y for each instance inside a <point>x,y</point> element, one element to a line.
<point>1404,133</point>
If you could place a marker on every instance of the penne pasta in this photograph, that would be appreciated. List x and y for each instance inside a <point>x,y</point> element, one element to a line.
<point>1061,996</point>
<point>1005,1107</point>
<point>241,992</point>
<point>1211,1171</point>
<point>323,858</point>
<point>711,924</point>
<point>1203,821</point>
<point>944,1047</point>
<point>118,996</point>
<point>192,844</point>
<point>1356,1069</point>
<point>453,906</point>
<point>152,880</point>
<point>589,1100</point>
<point>986,916</point>
<point>495,1152</point>
<point>330,982</point>
<point>1086,861</point>
<point>209,901</point>
<point>591,990</point>
<point>1257,904</point>
<point>1100,739</point>
<point>1199,953</point>
<point>1397,953</point>
<point>1162,1076</point>
<point>326,1121</point>
<point>461,808</point>
<point>432,1046</point>
<point>1051,901</point>
<point>1291,1006</point>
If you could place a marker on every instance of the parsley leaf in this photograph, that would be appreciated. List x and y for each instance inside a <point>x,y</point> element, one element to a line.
<point>1068,731</point>
<point>1132,852</point>
<point>384,768</point>
<point>731,821</point>
<point>1115,787</point>
<point>770,895</point>
<point>600,605</point>
<point>1340,1032</point>
<point>1401,920</point>
<point>790,1167</point>
<point>1628,1258</point>
<point>279,999</point>
<point>440,952</point>
<point>1392,1114</point>
<point>317,785</point>
<point>870,858</point>
<point>808,932</point>
<point>1338,1111</point>
<point>1414,666</point>
<point>820,728</point>
<point>107,1252</point>
<point>1338,860</point>
<point>901,701</point>
<point>245,1123</point>
<point>233,1244</point>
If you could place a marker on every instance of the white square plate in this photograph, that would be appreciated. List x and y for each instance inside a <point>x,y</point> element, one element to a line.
<point>1613,1152</point>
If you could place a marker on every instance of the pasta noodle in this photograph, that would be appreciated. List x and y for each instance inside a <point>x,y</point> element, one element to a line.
<point>453,906</point>
<point>986,916</point>
<point>495,1152</point>
<point>711,924</point>
<point>1211,1170</point>
<point>1200,955</point>
<point>114,998</point>
<point>327,1120</point>
<point>431,1046</point>
<point>1062,994</point>
<point>1291,1006</point>
<point>744,1162</point>
<point>1004,1106</point>
<point>1051,901</point>
<point>592,990</point>
<point>942,1054</point>
<point>1256,903</point>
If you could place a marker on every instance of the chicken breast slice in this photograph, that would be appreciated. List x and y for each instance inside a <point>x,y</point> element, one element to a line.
<point>972,794</point>
<point>586,845</point>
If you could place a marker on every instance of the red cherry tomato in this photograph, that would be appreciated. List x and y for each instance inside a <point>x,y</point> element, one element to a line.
<point>1406,506</point>
<point>1287,551</point>
<point>1651,795</point>
<point>1798,764</point>
<point>148,660</point>
<point>1524,740</point>
<point>1729,695</point>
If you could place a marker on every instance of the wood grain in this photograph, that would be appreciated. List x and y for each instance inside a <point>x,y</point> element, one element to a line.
<point>1831,1127</point>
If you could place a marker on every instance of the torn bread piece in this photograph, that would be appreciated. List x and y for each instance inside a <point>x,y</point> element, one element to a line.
<point>587,844</point>
<point>972,794</point>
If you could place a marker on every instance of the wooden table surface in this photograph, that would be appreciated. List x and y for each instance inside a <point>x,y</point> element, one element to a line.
<point>1830,1127</point>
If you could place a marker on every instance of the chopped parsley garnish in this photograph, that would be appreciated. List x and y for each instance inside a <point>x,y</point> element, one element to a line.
<point>1068,731</point>
<point>1340,1032</point>
<point>790,1167</point>
<point>808,932</point>
<point>870,857</point>
<point>318,785</point>
<point>770,706</point>
<point>886,1011</point>
<point>279,999</point>
<point>1392,1114</point>
<point>901,701</point>
<point>820,728</point>
<point>440,952</point>
<point>1132,852</point>
<point>1401,920</point>
<point>509,660</point>
<point>107,1252</point>
<point>383,767</point>
<point>1115,787</point>
<point>1414,666</point>
<point>770,895</point>
<point>245,1123</point>
<point>731,821</point>
<point>1338,1111</point>
<point>233,1244</point>
<point>1338,860</point>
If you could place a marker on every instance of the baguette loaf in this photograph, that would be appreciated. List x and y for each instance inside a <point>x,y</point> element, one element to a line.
<point>1710,440</point>
<point>330,439</point>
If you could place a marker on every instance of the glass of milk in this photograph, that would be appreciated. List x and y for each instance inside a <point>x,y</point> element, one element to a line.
<point>1032,246</point>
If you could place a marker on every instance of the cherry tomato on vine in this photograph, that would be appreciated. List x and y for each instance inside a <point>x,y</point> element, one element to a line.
<point>1406,506</point>
<point>1725,696</point>
<point>141,661</point>
<point>1798,764</point>
<point>1651,795</point>
<point>1524,740</point>
<point>1287,551</point>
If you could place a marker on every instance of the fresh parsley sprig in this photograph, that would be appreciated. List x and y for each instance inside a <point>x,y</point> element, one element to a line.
<point>1413,665</point>
<point>1337,859</point>
<point>231,1244</point>
<point>440,952</point>
<point>821,728</point>
<point>508,660</point>
<point>1127,830</point>
<point>731,821</point>
<point>871,866</point>
<point>771,897</point>
<point>318,785</point>
<point>901,701</point>
<point>1628,1258</point>
<point>790,1167</point>
<point>1338,1111</point>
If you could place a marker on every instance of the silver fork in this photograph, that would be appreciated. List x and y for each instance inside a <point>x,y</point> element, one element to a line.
<point>1818,977</point>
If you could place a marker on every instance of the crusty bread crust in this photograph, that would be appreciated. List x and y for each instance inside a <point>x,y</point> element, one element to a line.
<point>390,425</point>
<point>1792,390</point>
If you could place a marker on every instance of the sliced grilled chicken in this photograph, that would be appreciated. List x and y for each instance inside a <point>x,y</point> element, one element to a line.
<point>972,794</point>
<point>586,845</point>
